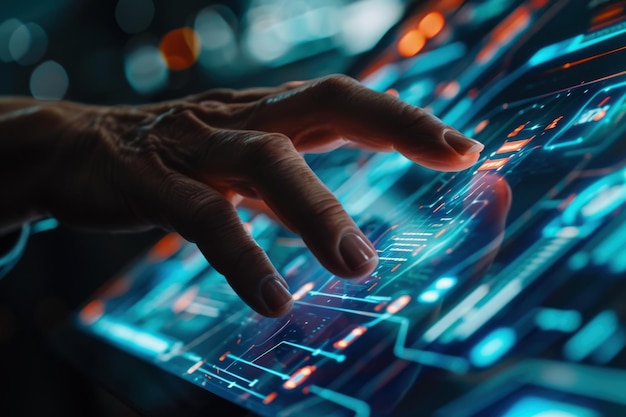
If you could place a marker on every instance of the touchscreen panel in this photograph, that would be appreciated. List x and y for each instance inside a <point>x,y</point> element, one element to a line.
<point>500,289</point>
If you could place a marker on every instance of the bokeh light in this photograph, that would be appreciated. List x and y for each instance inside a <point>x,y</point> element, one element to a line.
<point>6,31</point>
<point>214,26</point>
<point>49,81</point>
<point>431,24</point>
<point>411,43</point>
<point>28,44</point>
<point>134,16</point>
<point>180,48</point>
<point>145,69</point>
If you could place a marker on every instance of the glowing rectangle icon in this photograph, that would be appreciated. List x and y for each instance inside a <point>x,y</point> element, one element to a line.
<point>513,146</point>
<point>493,164</point>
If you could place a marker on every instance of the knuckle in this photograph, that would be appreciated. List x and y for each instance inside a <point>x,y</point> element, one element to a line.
<point>337,83</point>
<point>326,207</point>
<point>269,151</point>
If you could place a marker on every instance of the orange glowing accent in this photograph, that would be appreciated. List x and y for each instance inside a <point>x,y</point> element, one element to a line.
<point>600,114</point>
<point>505,32</point>
<point>195,367</point>
<point>604,101</point>
<point>224,355</point>
<point>92,312</point>
<point>299,377</point>
<point>516,131</point>
<point>553,124</point>
<point>398,304</point>
<point>451,89</point>
<point>431,24</point>
<point>411,43</point>
<point>270,397</point>
<point>380,306</point>
<point>591,58</point>
<point>350,337</point>
<point>166,247</point>
<point>248,227</point>
<point>608,13</point>
<point>481,126</point>
<point>115,288</point>
<point>567,202</point>
<point>393,92</point>
<point>439,233</point>
<point>184,301</point>
<point>513,146</point>
<point>180,48</point>
<point>303,291</point>
<point>395,268</point>
<point>493,164</point>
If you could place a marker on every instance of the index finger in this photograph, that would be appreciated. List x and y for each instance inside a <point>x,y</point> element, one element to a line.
<point>338,107</point>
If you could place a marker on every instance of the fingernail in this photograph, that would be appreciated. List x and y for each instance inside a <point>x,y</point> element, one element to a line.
<point>461,143</point>
<point>355,251</point>
<point>275,294</point>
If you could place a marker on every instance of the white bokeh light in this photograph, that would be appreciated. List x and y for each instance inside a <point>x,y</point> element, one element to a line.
<point>49,81</point>
<point>146,70</point>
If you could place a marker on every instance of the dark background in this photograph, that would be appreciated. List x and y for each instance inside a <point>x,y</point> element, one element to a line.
<point>61,268</point>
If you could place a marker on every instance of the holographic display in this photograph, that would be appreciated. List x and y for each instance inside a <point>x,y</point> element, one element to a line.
<point>500,291</point>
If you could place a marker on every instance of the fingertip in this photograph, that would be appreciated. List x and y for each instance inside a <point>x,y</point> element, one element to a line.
<point>358,255</point>
<point>276,300</point>
<point>461,143</point>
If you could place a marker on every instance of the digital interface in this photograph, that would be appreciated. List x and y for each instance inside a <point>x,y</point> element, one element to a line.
<point>500,290</point>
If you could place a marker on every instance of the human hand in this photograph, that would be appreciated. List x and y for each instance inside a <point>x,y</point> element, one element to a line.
<point>183,165</point>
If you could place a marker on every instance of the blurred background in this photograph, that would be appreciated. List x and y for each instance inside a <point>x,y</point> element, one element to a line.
<point>137,51</point>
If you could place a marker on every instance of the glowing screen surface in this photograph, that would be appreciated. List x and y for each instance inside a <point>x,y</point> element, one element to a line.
<point>500,289</point>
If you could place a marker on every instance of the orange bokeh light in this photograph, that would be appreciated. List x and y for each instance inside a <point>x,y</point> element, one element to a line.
<point>431,24</point>
<point>411,43</point>
<point>180,48</point>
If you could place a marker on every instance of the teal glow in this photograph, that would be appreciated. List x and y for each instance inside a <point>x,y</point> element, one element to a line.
<point>445,283</point>
<point>590,337</point>
<point>559,320</point>
<point>132,338</point>
<point>458,110</point>
<point>542,407</point>
<point>437,289</point>
<point>429,296</point>
<point>493,347</point>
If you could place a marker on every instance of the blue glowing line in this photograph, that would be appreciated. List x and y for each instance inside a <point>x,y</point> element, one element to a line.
<point>344,297</point>
<point>551,147</point>
<point>263,368</point>
<point>590,337</point>
<point>428,61</point>
<point>316,352</point>
<point>360,408</point>
<point>450,363</point>
<point>217,368</point>
<point>233,384</point>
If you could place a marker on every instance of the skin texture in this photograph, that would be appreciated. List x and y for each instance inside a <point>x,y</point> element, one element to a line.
<point>185,164</point>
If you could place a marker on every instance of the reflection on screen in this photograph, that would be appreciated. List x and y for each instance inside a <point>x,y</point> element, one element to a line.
<point>500,289</point>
